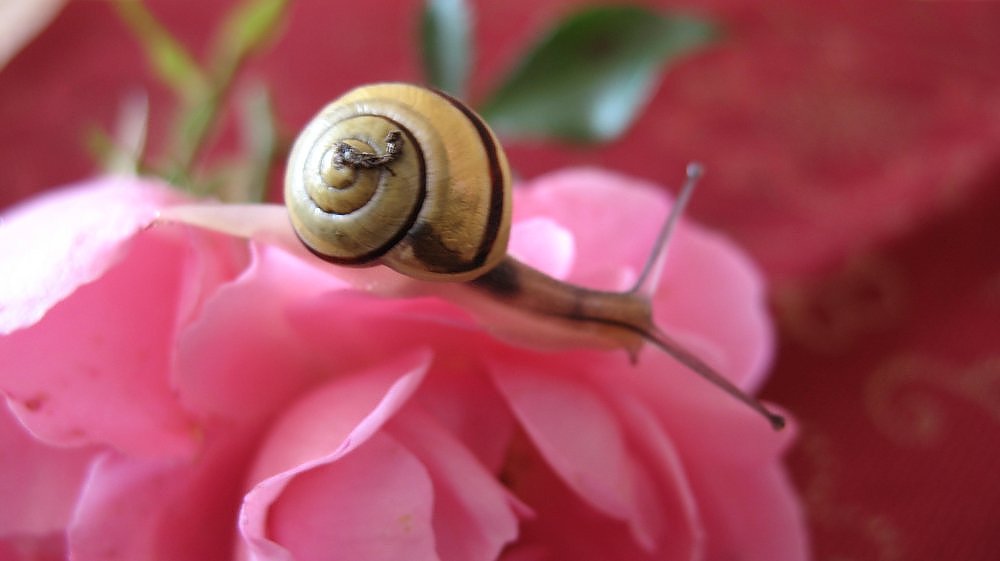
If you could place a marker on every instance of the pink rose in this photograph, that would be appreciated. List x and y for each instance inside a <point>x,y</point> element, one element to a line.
<point>177,393</point>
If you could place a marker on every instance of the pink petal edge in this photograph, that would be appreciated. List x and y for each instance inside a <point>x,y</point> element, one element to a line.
<point>580,438</point>
<point>327,425</point>
<point>76,234</point>
<point>474,514</point>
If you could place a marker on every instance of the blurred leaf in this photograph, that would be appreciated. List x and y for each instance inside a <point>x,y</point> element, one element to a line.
<point>593,73</point>
<point>445,44</point>
<point>130,133</point>
<point>170,61</point>
<point>203,92</point>
<point>260,137</point>
<point>247,27</point>
<point>243,178</point>
<point>122,153</point>
<point>191,128</point>
<point>100,146</point>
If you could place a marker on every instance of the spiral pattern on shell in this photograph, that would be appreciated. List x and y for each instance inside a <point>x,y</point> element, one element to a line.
<point>438,208</point>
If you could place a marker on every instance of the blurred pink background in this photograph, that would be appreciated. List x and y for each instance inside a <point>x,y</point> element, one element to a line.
<point>853,149</point>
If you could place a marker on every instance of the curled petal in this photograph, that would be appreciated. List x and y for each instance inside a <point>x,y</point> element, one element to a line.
<point>38,483</point>
<point>229,357</point>
<point>595,205</point>
<point>713,299</point>
<point>119,511</point>
<point>268,224</point>
<point>462,398</point>
<point>95,373</point>
<point>68,238</point>
<point>543,244</point>
<point>79,370</point>
<point>328,425</point>
<point>473,514</point>
<point>375,504</point>
<point>583,442</point>
<point>683,532</point>
<point>162,508</point>
<point>732,464</point>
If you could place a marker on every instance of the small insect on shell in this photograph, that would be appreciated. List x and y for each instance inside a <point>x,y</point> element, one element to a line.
<point>404,176</point>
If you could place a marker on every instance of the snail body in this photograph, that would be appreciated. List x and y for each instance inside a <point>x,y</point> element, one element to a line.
<point>411,178</point>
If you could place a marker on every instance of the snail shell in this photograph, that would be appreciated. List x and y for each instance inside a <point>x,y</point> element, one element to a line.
<point>432,200</point>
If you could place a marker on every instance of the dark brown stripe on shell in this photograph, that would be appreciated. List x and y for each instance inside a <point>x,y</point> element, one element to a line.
<point>495,216</point>
<point>370,257</point>
<point>433,254</point>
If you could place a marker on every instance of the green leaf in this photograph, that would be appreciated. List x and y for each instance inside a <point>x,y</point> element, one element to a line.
<point>590,77</point>
<point>170,61</point>
<point>445,44</point>
<point>248,27</point>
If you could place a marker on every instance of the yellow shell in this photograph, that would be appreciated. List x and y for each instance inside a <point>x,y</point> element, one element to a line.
<point>439,210</point>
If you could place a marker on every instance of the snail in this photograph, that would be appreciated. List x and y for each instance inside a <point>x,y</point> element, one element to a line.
<point>411,178</point>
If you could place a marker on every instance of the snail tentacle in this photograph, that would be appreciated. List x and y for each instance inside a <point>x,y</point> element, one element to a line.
<point>649,278</point>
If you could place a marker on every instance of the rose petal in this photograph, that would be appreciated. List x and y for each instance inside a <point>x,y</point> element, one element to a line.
<point>94,372</point>
<point>163,508</point>
<point>581,440</point>
<point>117,517</point>
<point>713,298</point>
<point>51,547</point>
<point>375,328</point>
<point>566,525</point>
<point>521,552</point>
<point>374,504</point>
<point>675,503</point>
<point>329,424</point>
<point>732,459</point>
<point>460,395</point>
<point>38,483</point>
<point>750,507</point>
<point>753,512</point>
<point>229,358</point>
<point>473,515</point>
<point>614,219</point>
<point>68,238</point>
<point>543,244</point>
<point>268,224</point>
